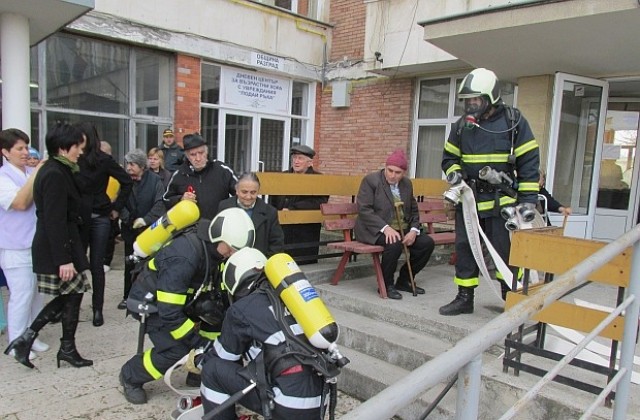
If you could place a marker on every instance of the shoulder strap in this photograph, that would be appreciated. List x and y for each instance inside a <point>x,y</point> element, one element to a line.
<point>512,115</point>
<point>196,243</point>
<point>301,350</point>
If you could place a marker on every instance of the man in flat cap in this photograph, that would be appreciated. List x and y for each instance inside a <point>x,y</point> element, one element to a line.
<point>205,182</point>
<point>301,163</point>
<point>173,153</point>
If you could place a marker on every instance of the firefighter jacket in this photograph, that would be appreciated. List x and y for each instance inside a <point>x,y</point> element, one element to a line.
<point>173,276</point>
<point>249,328</point>
<point>470,149</point>
<point>212,184</point>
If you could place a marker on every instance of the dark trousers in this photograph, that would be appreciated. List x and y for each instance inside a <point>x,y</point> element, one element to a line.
<point>220,380</point>
<point>419,254</point>
<point>129,236</point>
<point>153,363</point>
<point>99,229</point>
<point>111,242</point>
<point>466,267</point>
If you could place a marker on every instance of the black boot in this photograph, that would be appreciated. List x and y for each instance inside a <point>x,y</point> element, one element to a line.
<point>98,319</point>
<point>22,347</point>
<point>69,354</point>
<point>462,304</point>
<point>70,313</point>
<point>133,393</point>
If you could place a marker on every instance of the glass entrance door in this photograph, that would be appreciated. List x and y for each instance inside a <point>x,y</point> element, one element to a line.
<point>253,143</point>
<point>238,148</point>
<point>577,128</point>
<point>272,141</point>
<point>615,208</point>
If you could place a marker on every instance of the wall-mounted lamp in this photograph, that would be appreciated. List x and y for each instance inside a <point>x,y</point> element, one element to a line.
<point>378,54</point>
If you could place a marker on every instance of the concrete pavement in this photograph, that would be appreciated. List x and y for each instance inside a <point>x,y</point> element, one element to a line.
<point>94,392</point>
<point>47,392</point>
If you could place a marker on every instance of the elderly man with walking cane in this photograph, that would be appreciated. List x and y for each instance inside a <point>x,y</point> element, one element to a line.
<point>388,216</point>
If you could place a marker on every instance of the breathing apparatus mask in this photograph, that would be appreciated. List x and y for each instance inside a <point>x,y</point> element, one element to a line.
<point>209,306</point>
<point>453,194</point>
<point>474,110</point>
<point>478,84</point>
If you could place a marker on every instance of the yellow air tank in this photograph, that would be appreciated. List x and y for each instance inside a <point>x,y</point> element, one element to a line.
<point>183,214</point>
<point>113,188</point>
<point>302,300</point>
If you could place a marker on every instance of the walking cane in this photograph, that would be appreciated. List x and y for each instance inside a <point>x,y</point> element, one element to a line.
<point>407,255</point>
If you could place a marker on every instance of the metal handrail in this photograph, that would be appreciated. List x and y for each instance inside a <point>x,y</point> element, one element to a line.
<point>463,358</point>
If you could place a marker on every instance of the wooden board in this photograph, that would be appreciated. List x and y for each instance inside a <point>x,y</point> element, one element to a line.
<point>544,250</point>
<point>571,316</point>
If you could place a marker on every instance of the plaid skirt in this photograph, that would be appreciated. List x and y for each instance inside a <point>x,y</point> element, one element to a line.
<point>51,284</point>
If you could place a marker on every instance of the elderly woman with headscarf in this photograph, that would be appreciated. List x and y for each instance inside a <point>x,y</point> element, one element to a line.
<point>143,207</point>
<point>17,227</point>
<point>59,260</point>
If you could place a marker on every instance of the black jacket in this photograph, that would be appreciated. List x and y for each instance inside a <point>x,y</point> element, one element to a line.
<point>173,156</point>
<point>212,184</point>
<point>469,150</point>
<point>180,270</point>
<point>269,235</point>
<point>57,238</point>
<point>93,185</point>
<point>145,200</point>
<point>299,202</point>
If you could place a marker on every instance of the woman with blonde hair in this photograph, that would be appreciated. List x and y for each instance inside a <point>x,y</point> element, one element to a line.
<point>155,159</point>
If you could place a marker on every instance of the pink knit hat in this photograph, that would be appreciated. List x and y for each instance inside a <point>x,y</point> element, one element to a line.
<point>397,158</point>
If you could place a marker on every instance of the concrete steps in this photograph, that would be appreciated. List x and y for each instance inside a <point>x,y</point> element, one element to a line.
<point>386,339</point>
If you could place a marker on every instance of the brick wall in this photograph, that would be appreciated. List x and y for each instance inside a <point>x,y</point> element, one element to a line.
<point>348,18</point>
<point>357,139</point>
<point>187,112</point>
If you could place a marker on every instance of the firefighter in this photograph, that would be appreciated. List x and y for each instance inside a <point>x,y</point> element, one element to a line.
<point>495,135</point>
<point>251,328</point>
<point>172,277</point>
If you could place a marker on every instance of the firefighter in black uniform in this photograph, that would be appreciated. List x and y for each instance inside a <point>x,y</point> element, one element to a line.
<point>495,135</point>
<point>172,277</point>
<point>250,328</point>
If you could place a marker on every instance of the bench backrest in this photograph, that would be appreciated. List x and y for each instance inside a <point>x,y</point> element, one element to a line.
<point>347,213</point>
<point>336,186</point>
<point>432,211</point>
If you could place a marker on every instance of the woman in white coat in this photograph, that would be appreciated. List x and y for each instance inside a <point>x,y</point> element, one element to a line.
<point>17,227</point>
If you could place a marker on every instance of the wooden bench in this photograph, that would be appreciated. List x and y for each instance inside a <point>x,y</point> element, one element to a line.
<point>340,188</point>
<point>346,222</point>
<point>432,211</point>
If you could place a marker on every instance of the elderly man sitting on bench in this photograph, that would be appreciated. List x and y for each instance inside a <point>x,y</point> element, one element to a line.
<point>388,216</point>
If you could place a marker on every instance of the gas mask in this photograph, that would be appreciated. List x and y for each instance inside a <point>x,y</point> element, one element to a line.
<point>473,111</point>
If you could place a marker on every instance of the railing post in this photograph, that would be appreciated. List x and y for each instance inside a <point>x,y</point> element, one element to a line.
<point>469,381</point>
<point>629,338</point>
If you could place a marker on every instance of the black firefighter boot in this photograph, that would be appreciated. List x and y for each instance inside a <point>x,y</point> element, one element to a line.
<point>22,346</point>
<point>68,351</point>
<point>462,304</point>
